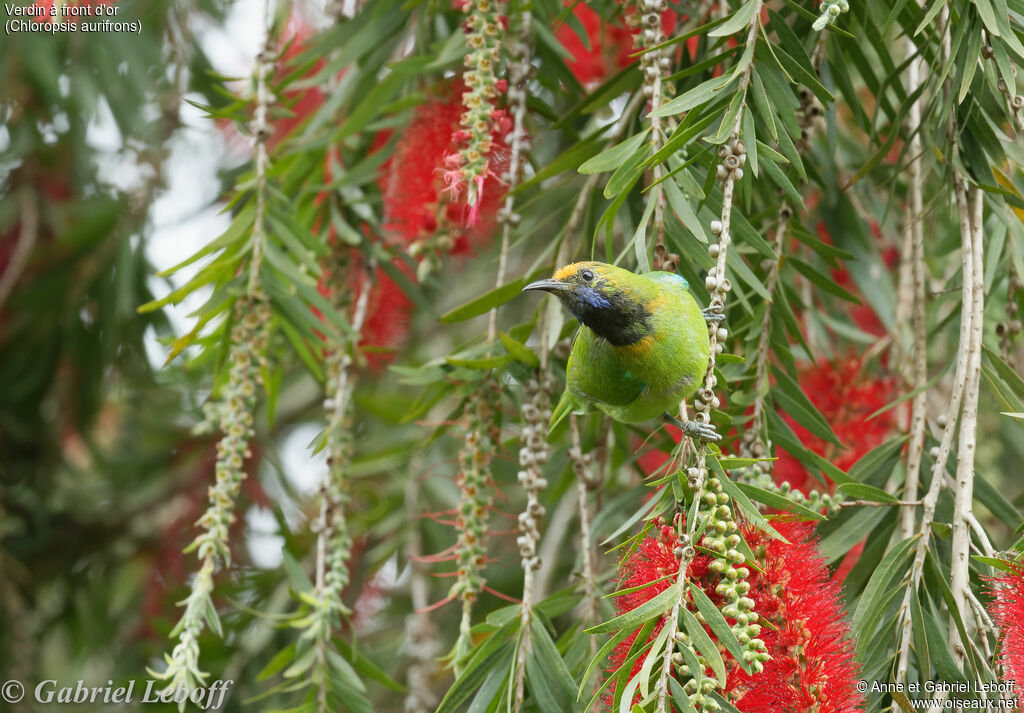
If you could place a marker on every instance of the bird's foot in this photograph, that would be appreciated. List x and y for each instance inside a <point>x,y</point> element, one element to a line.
<point>712,317</point>
<point>695,429</point>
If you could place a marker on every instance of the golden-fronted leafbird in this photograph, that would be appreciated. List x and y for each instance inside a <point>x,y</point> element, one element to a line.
<point>642,346</point>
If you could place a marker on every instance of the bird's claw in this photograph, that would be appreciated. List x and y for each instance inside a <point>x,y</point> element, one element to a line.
<point>702,431</point>
<point>712,317</point>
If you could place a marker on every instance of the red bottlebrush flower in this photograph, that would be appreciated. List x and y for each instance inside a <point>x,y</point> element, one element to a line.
<point>845,395</point>
<point>608,44</point>
<point>1007,612</point>
<point>812,666</point>
<point>609,47</point>
<point>652,560</point>
<point>387,315</point>
<point>422,183</point>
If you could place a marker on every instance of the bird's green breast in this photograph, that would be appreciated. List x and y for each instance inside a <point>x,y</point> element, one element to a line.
<point>639,381</point>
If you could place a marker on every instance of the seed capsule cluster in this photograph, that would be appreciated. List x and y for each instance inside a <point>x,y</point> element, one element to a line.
<point>760,475</point>
<point>1014,101</point>
<point>520,71</point>
<point>533,454</point>
<point>332,521</point>
<point>830,10</point>
<point>731,158</point>
<point>723,538</point>
<point>474,468</point>
<point>484,28</point>
<point>233,414</point>
<point>942,421</point>
<point>654,64</point>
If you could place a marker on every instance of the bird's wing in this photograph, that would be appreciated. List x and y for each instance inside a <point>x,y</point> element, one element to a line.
<point>595,373</point>
<point>669,279</point>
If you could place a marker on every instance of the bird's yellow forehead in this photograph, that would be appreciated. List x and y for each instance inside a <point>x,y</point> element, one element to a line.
<point>568,271</point>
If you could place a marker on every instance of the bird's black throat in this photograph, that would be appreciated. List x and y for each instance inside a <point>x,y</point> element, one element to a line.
<point>614,316</point>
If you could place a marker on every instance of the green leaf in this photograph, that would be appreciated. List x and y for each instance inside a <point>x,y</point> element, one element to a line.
<point>551,662</point>
<point>600,658</point>
<point>719,627</point>
<point>886,454</point>
<point>296,574</point>
<point>741,500</point>
<point>702,93</point>
<point>780,180</point>
<point>860,491</point>
<point>737,21</point>
<point>779,502</point>
<point>920,636</point>
<point>496,652</point>
<point>612,158</point>
<point>852,531</point>
<point>628,173</point>
<point>994,499</point>
<point>998,563</point>
<point>707,647</point>
<point>519,351</point>
<point>301,664</point>
<point>487,301</point>
<point>892,565</point>
<point>281,659</point>
<point>821,280</point>
<point>634,618</point>
<point>790,397</point>
<point>366,667</point>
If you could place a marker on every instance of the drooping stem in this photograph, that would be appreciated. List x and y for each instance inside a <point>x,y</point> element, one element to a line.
<point>421,634</point>
<point>732,155</point>
<point>262,132</point>
<point>520,70</point>
<point>914,231</point>
<point>970,200</point>
<point>334,543</point>
<point>655,64</point>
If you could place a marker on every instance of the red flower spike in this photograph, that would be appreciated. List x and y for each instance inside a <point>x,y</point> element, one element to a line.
<point>423,186</point>
<point>1007,612</point>
<point>387,314</point>
<point>812,666</point>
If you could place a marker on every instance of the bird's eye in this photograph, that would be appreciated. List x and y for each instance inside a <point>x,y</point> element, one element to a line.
<point>587,275</point>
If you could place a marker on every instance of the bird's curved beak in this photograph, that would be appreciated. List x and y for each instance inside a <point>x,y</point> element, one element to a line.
<point>547,286</point>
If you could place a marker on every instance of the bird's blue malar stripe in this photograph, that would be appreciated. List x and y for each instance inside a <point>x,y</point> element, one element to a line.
<point>594,298</point>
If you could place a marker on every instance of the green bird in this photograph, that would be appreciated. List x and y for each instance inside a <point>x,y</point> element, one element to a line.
<point>642,346</point>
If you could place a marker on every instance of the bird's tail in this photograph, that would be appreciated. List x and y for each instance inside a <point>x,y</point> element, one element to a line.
<point>563,408</point>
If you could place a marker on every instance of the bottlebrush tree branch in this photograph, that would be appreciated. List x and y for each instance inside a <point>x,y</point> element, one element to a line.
<point>333,542</point>
<point>534,450</point>
<point>914,256</point>
<point>654,63</point>
<point>719,517</point>
<point>960,402</point>
<point>970,203</point>
<point>581,467</point>
<point>232,413</point>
